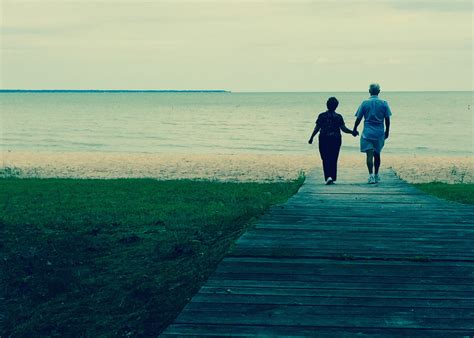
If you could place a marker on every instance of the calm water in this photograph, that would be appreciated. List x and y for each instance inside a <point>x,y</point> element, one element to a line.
<point>422,122</point>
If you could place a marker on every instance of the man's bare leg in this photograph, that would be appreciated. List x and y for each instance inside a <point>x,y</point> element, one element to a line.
<point>376,162</point>
<point>370,160</point>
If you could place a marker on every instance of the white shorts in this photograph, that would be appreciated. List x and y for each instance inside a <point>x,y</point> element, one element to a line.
<point>367,144</point>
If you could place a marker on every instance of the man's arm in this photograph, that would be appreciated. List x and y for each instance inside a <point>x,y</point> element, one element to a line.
<point>387,126</point>
<point>315,131</point>
<point>388,113</point>
<point>359,115</point>
<point>356,124</point>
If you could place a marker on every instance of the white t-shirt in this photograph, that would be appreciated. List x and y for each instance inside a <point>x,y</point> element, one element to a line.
<point>374,111</point>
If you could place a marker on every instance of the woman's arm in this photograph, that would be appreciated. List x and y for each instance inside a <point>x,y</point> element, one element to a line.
<point>315,131</point>
<point>346,130</point>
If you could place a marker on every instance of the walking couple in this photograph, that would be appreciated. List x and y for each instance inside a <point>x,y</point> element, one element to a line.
<point>329,125</point>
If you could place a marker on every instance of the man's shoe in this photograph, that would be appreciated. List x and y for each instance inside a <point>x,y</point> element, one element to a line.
<point>371,179</point>
<point>329,181</point>
<point>377,178</point>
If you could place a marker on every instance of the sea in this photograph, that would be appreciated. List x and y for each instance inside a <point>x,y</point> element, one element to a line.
<point>425,123</point>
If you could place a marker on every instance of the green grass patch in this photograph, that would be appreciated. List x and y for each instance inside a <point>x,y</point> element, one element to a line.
<point>115,257</point>
<point>463,193</point>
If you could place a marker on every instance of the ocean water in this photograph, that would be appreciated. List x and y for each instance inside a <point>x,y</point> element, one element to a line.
<point>438,123</point>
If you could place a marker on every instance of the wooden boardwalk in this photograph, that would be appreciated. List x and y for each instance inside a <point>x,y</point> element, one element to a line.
<point>341,260</point>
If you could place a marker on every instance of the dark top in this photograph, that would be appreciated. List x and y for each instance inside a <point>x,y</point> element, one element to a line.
<point>330,124</point>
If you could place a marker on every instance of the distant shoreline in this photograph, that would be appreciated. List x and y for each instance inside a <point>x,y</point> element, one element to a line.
<point>108,91</point>
<point>211,91</point>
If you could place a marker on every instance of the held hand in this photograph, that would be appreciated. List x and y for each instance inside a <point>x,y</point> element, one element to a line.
<point>355,133</point>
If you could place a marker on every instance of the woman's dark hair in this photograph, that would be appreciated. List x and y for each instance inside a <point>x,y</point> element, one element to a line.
<point>332,103</point>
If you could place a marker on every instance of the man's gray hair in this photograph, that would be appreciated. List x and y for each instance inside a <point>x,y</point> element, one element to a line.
<point>374,88</point>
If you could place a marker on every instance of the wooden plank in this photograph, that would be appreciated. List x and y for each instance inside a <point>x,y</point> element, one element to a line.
<point>321,210</point>
<point>341,264</point>
<point>378,194</point>
<point>309,244</point>
<point>424,216</point>
<point>446,282</point>
<point>355,225</point>
<point>251,291</point>
<point>351,254</point>
<point>234,282</point>
<point>222,330</point>
<point>368,219</point>
<point>388,206</point>
<point>368,246</point>
<point>360,234</point>
<point>381,311</point>
<point>372,228</point>
<point>391,268</point>
<point>349,234</point>
<point>404,245</point>
<point>366,215</point>
<point>419,236</point>
<point>329,300</point>
<point>384,269</point>
<point>343,316</point>
<point>318,219</point>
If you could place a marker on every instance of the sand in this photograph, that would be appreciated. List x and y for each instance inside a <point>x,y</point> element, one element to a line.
<point>425,169</point>
<point>223,167</point>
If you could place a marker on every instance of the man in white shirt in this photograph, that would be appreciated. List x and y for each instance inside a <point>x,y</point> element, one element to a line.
<point>375,112</point>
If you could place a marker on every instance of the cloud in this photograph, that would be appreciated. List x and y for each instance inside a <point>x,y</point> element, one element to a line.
<point>432,5</point>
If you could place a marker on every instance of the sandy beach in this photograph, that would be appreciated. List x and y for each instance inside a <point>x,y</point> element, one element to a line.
<point>425,169</point>
<point>223,167</point>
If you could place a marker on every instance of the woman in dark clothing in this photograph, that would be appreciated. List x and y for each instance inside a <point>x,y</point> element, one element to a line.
<point>330,124</point>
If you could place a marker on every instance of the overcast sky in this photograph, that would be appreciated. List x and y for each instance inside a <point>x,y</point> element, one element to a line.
<point>237,45</point>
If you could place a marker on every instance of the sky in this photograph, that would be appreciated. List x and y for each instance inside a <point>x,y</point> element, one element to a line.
<point>282,46</point>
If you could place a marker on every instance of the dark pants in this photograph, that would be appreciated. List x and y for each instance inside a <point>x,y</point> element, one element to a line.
<point>329,149</point>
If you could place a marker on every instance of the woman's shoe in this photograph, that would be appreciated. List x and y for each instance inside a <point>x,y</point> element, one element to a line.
<point>329,181</point>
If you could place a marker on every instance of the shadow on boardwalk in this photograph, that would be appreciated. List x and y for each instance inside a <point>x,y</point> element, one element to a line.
<point>381,260</point>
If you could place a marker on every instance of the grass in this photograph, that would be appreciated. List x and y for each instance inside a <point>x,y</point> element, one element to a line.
<point>463,193</point>
<point>115,257</point>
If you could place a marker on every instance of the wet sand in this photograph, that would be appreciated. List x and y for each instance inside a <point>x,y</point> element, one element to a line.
<point>223,167</point>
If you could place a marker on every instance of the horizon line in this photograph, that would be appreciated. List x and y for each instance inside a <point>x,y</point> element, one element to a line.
<point>115,90</point>
<point>212,91</point>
